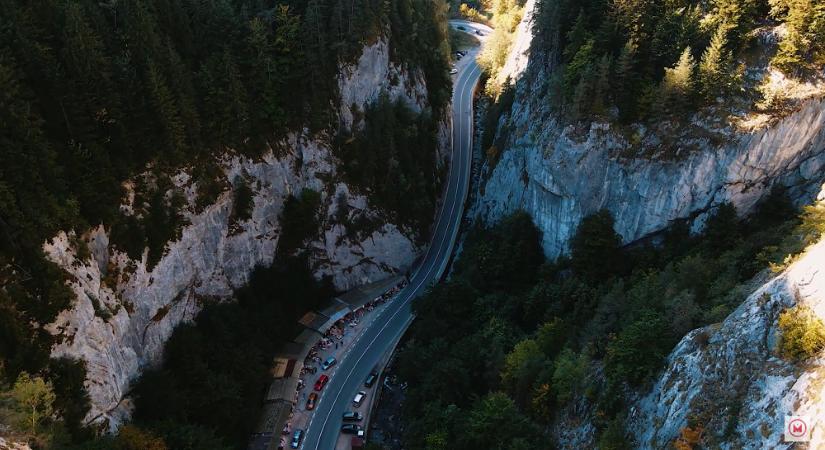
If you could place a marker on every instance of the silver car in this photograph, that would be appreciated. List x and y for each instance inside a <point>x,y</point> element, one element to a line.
<point>328,363</point>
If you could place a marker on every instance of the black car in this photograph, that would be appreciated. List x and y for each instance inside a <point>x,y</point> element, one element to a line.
<point>350,428</point>
<point>297,437</point>
<point>352,416</point>
<point>371,379</point>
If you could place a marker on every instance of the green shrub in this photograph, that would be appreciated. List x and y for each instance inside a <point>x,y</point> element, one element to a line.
<point>802,332</point>
<point>394,160</point>
<point>299,220</point>
<point>244,200</point>
<point>638,351</point>
<point>594,249</point>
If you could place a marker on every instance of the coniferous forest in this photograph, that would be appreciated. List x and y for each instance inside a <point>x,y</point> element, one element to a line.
<point>93,93</point>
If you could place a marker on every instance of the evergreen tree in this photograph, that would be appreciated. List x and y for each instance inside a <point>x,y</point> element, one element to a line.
<point>714,67</point>
<point>626,80</point>
<point>576,37</point>
<point>601,89</point>
<point>803,48</point>
<point>167,110</point>
<point>185,95</point>
<point>677,85</point>
<point>595,248</point>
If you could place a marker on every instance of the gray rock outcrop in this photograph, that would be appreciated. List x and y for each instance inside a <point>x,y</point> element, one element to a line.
<point>559,176</point>
<point>125,310</point>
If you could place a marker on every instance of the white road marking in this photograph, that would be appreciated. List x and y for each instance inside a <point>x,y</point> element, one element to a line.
<point>441,266</point>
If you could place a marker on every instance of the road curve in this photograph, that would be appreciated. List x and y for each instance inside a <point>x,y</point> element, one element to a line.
<point>365,353</point>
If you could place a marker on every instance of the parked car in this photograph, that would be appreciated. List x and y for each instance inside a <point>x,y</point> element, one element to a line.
<point>328,363</point>
<point>352,416</point>
<point>322,381</point>
<point>350,428</point>
<point>297,437</point>
<point>359,397</point>
<point>371,379</point>
<point>313,398</point>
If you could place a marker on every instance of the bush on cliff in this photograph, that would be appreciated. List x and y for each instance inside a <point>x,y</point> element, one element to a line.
<point>802,332</point>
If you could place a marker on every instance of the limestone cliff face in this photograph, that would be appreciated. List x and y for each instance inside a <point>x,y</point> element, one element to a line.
<point>726,377</point>
<point>126,311</point>
<point>729,378</point>
<point>559,174</point>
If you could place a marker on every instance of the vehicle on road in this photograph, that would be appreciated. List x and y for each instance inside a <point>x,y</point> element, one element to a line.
<point>461,27</point>
<point>359,398</point>
<point>351,428</point>
<point>311,401</point>
<point>324,432</point>
<point>352,416</point>
<point>297,437</point>
<point>322,381</point>
<point>371,379</point>
<point>478,32</point>
<point>328,363</point>
<point>453,71</point>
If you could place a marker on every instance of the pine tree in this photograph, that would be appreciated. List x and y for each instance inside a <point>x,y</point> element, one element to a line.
<point>167,111</point>
<point>803,48</point>
<point>576,37</point>
<point>626,81</point>
<point>714,66</point>
<point>677,85</point>
<point>601,88</point>
<point>182,86</point>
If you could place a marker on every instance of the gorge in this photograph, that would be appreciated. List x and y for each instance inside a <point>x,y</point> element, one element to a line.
<point>639,264</point>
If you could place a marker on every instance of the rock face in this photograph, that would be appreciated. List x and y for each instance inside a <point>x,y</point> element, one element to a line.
<point>559,176</point>
<point>519,53</point>
<point>9,445</point>
<point>359,84</point>
<point>729,378</point>
<point>125,311</point>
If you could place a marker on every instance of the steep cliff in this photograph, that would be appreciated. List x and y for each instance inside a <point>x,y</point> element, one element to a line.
<point>126,309</point>
<point>649,176</point>
<point>725,381</point>
<point>558,177</point>
<point>729,380</point>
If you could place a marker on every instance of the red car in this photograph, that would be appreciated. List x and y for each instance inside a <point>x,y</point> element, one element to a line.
<point>322,381</point>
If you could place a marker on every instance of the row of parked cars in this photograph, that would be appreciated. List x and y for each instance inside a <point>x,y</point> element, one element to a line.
<point>349,416</point>
<point>347,428</point>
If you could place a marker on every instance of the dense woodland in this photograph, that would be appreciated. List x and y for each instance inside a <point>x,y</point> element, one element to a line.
<point>511,339</point>
<point>94,93</point>
<point>653,59</point>
<point>385,158</point>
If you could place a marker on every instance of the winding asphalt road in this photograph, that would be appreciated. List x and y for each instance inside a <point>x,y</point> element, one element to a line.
<point>366,352</point>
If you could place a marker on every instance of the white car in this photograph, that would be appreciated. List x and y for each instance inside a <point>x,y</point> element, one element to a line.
<point>359,398</point>
<point>453,71</point>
